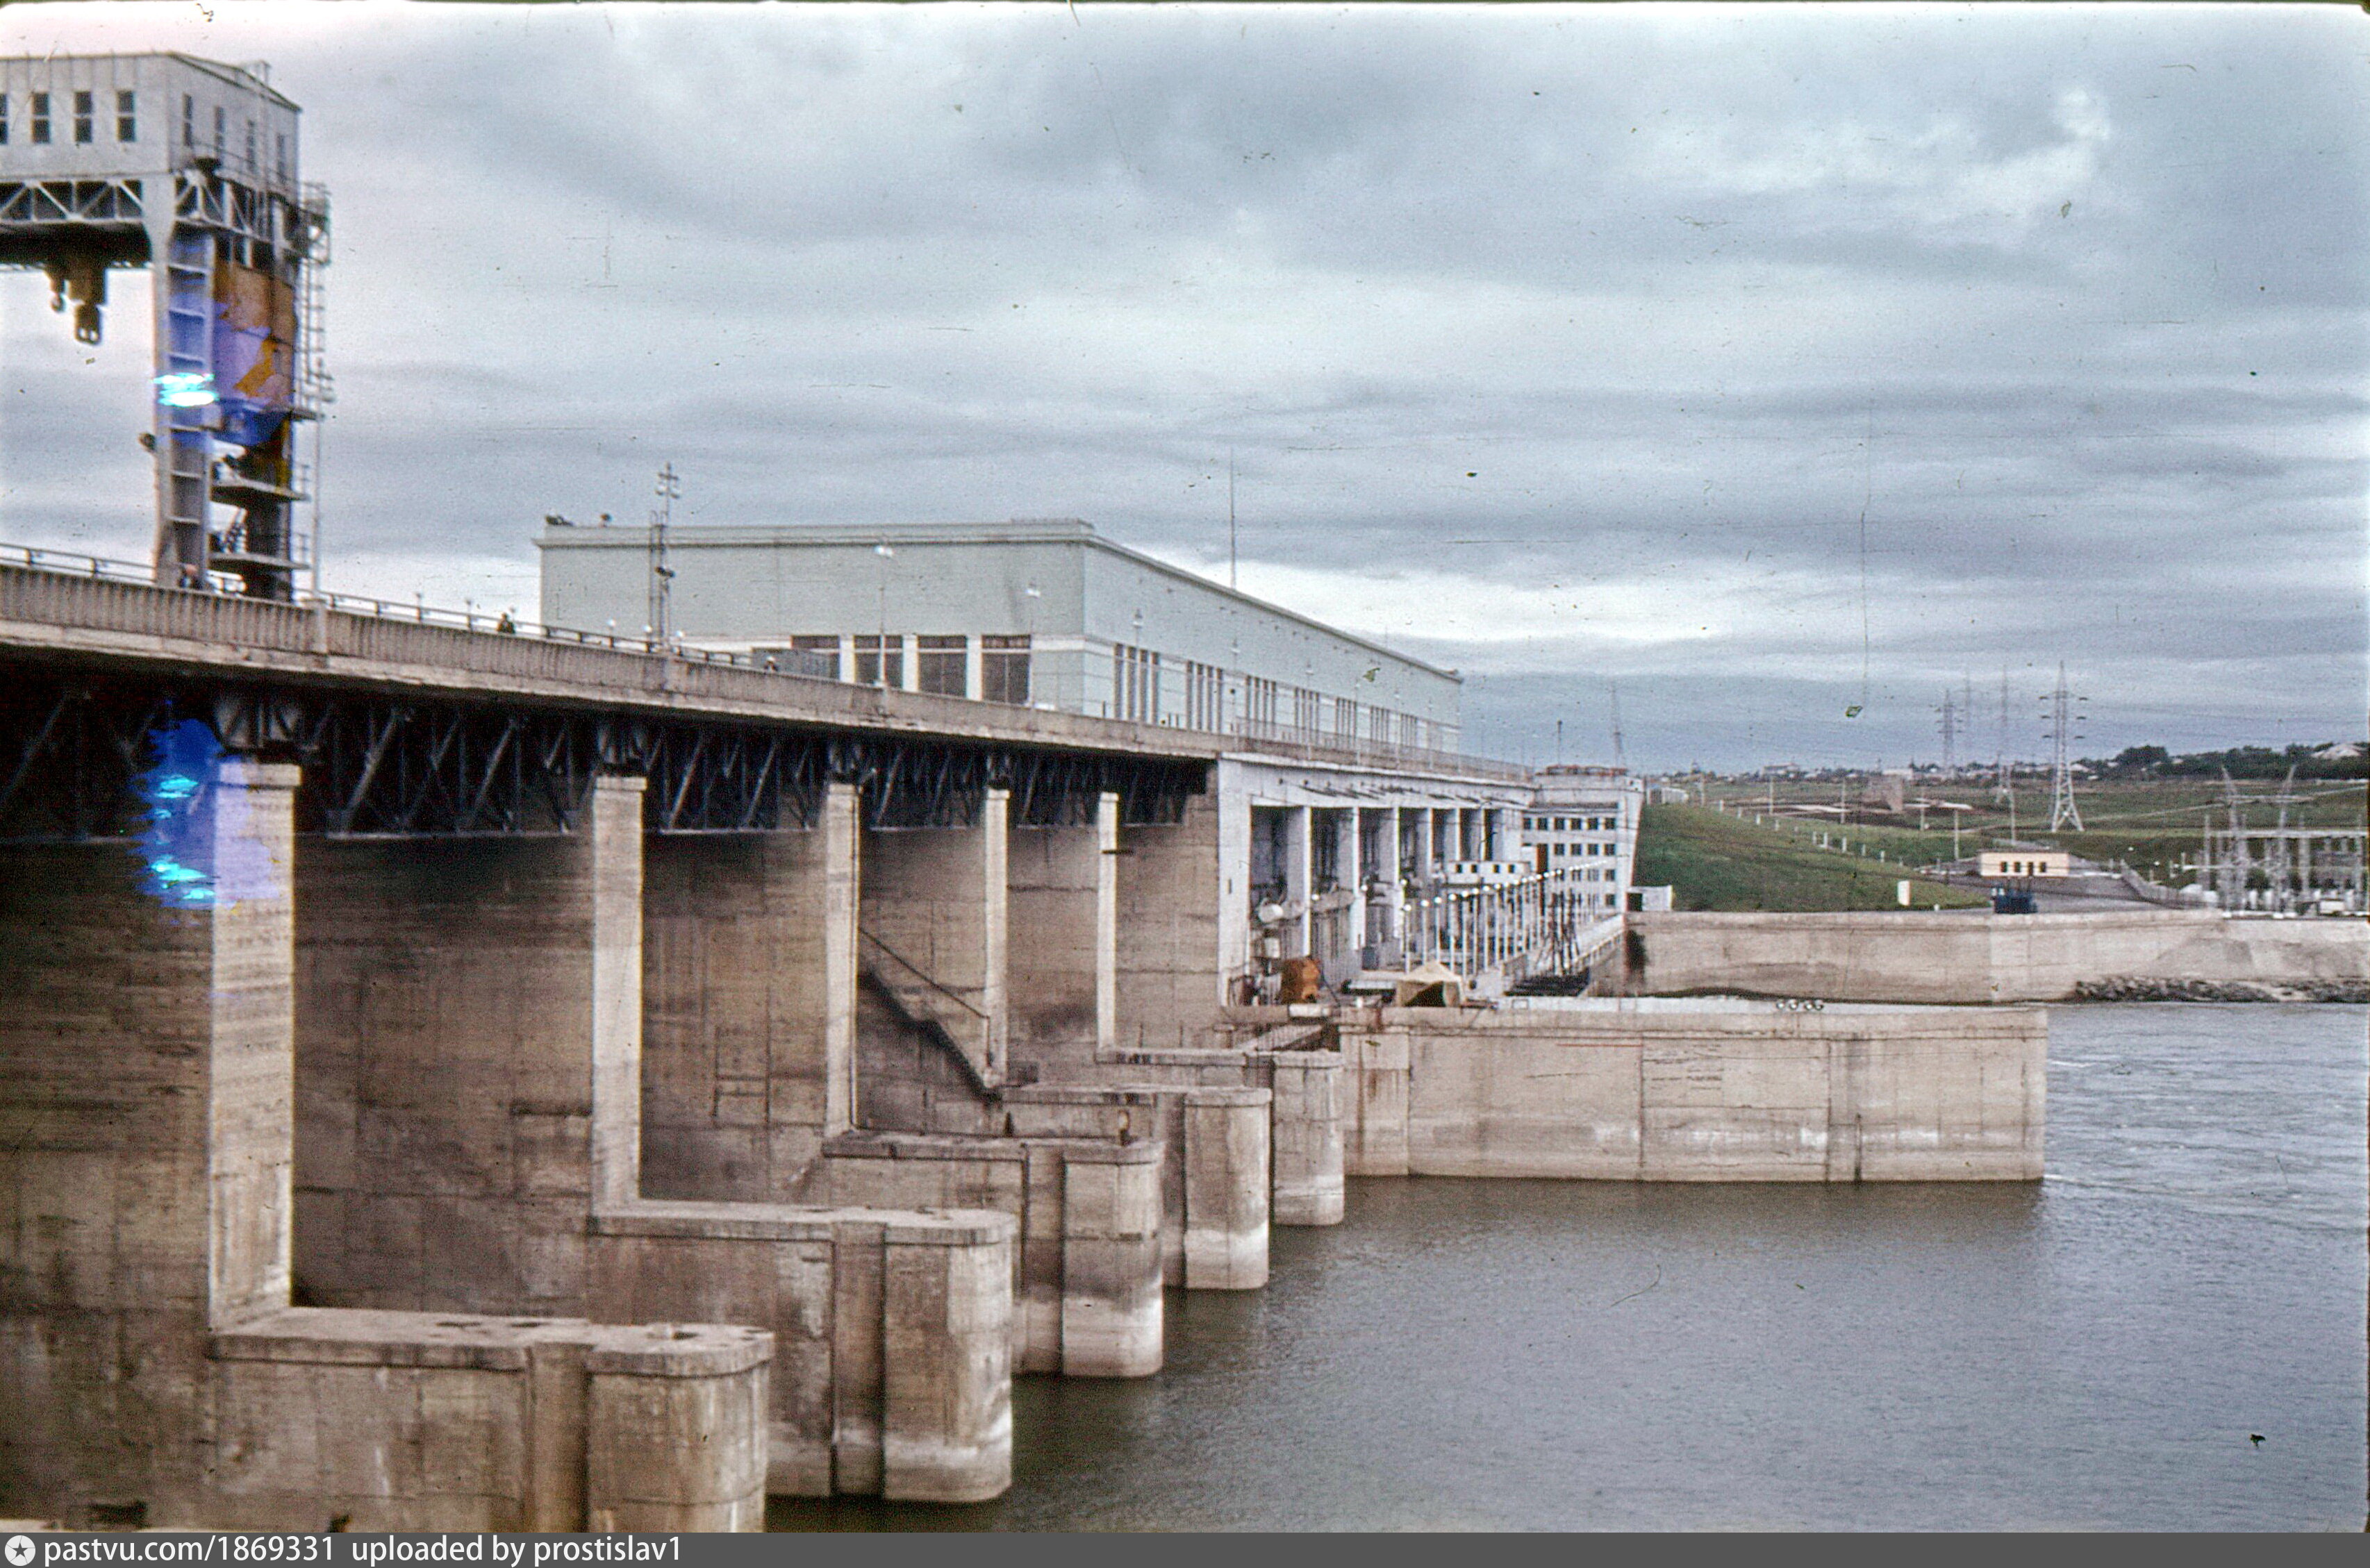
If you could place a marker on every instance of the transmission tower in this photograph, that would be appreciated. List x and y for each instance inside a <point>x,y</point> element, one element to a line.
<point>2004,786</point>
<point>2063,718</point>
<point>1620,758</point>
<point>1950,733</point>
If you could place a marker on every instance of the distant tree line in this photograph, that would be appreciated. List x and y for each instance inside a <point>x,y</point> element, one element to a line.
<point>2320,761</point>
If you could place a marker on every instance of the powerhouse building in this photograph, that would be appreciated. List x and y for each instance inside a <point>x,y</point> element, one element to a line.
<point>1341,802</point>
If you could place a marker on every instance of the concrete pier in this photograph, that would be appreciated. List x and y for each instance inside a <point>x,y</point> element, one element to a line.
<point>156,1371</point>
<point>1085,1274</point>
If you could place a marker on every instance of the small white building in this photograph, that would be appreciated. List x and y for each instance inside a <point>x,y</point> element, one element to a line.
<point>1583,820</point>
<point>2025,863</point>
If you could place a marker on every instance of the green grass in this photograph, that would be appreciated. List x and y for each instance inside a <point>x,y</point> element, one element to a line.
<point>2151,825</point>
<point>1714,862</point>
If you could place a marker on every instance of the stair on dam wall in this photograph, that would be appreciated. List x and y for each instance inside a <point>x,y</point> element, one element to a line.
<point>930,1010</point>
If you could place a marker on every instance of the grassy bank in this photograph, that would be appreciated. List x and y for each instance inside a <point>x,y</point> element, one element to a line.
<point>1714,862</point>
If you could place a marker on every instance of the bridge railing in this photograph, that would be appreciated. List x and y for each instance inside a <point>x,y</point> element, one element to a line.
<point>356,625</point>
<point>1543,923</point>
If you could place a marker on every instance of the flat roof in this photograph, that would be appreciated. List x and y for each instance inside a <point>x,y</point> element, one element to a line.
<point>240,76</point>
<point>1013,530</point>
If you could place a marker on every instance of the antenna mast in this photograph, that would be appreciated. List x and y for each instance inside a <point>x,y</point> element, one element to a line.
<point>1234,577</point>
<point>1620,758</point>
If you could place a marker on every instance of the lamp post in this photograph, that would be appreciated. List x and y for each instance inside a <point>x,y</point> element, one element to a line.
<point>880,643</point>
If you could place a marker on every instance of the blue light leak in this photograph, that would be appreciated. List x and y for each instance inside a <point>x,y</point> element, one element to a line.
<point>175,849</point>
<point>184,389</point>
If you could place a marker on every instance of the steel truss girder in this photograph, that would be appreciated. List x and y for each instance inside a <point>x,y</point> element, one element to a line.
<point>386,765</point>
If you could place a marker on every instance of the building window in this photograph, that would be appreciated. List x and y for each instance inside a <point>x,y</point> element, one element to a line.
<point>41,117</point>
<point>1205,696</point>
<point>1304,710</point>
<point>250,147</point>
<point>280,154</point>
<point>941,661</point>
<point>1004,670</point>
<point>874,670</point>
<point>127,116</point>
<point>83,114</point>
<point>222,130</point>
<point>1138,673</point>
<point>4,120</point>
<point>1345,719</point>
<point>1259,702</point>
<point>1378,726</point>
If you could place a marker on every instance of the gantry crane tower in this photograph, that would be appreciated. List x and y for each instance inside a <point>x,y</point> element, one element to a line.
<point>188,168</point>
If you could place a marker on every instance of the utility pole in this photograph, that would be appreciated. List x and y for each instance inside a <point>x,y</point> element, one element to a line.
<point>2062,719</point>
<point>670,487</point>
<point>2282,853</point>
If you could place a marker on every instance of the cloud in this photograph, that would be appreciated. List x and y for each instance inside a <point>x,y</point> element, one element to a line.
<point>1569,344</point>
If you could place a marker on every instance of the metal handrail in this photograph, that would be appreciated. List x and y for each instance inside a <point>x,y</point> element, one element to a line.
<point>420,612</point>
<point>920,975</point>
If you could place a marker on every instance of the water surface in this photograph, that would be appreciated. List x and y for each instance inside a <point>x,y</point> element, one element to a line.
<point>2095,1351</point>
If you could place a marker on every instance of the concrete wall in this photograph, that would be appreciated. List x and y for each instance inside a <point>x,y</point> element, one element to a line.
<point>143,1157</point>
<point>380,1421</point>
<point>1838,1095</point>
<point>748,1034</point>
<point>444,1017</point>
<point>1914,956</point>
<point>152,1368</point>
<point>1169,895</point>
<point>932,926</point>
<point>1061,943</point>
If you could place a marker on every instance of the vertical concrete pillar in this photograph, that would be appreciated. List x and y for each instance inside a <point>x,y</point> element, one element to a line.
<point>841,954</point>
<point>1307,1136</point>
<point>1111,1260</point>
<point>1106,921</point>
<point>933,905</point>
<point>144,1094</point>
<point>748,1005</point>
<point>1352,862</point>
<point>1298,880</point>
<point>946,1335</point>
<point>613,827</point>
<point>1226,1183</point>
<point>1063,921</point>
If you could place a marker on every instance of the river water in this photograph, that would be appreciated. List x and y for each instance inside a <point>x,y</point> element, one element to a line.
<point>2098,1350</point>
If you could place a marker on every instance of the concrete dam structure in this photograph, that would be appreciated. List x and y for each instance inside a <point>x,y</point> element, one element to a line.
<point>472,1080</point>
<point>1959,958</point>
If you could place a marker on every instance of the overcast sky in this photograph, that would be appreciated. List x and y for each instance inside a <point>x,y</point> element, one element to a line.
<point>1566,347</point>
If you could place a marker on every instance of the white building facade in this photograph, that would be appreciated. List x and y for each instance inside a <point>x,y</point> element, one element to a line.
<point>1584,820</point>
<point>1039,613</point>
